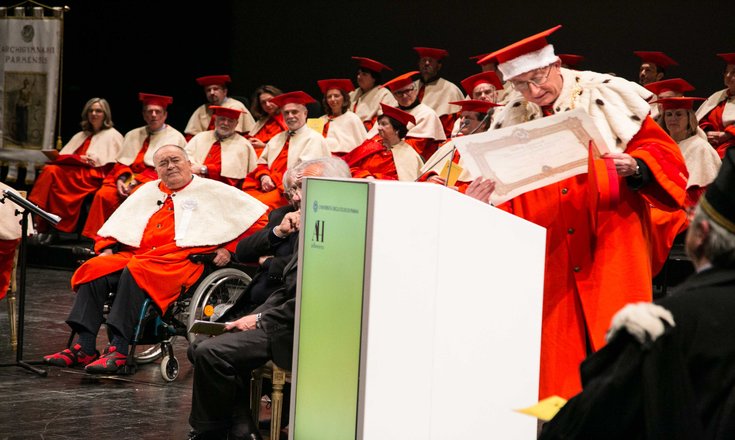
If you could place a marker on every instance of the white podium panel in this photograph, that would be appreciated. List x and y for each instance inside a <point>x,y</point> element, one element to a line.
<point>451,317</point>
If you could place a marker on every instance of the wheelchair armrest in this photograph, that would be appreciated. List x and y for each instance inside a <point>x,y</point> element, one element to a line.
<point>203,258</point>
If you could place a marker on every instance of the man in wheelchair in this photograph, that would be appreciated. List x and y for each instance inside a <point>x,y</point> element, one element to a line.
<point>223,364</point>
<point>143,250</point>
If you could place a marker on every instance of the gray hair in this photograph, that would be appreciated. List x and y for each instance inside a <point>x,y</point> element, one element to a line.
<point>719,246</point>
<point>330,167</point>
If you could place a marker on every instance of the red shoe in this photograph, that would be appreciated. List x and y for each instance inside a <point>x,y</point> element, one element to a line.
<point>71,357</point>
<point>111,362</point>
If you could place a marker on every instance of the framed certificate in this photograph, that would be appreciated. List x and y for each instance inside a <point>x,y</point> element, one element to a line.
<point>532,155</point>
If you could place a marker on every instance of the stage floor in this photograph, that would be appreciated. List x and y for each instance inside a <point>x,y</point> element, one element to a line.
<point>70,404</point>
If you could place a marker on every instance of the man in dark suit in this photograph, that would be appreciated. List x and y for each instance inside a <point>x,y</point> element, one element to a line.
<point>223,364</point>
<point>668,371</point>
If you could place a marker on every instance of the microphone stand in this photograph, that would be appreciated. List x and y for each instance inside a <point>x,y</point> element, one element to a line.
<point>28,208</point>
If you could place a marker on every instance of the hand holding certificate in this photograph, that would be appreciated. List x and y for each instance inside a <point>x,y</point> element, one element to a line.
<point>532,155</point>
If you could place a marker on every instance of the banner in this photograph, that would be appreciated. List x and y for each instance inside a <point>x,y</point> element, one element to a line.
<point>29,61</point>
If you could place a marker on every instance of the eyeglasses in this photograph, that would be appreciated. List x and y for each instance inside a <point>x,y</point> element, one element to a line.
<point>404,92</point>
<point>539,78</point>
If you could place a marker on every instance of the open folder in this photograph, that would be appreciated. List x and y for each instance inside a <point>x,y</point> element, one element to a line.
<point>207,328</point>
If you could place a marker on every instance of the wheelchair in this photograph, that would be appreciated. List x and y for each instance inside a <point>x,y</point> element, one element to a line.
<point>216,291</point>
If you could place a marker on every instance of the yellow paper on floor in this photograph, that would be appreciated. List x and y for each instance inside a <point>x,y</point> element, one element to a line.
<point>451,175</point>
<point>316,124</point>
<point>546,409</point>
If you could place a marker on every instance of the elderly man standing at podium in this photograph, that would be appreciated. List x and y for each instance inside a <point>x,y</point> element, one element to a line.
<point>596,260</point>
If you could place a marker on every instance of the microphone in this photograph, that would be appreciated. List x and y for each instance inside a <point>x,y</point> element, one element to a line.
<point>451,152</point>
<point>159,202</point>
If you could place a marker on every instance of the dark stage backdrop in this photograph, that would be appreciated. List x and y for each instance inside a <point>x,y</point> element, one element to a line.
<point>115,49</point>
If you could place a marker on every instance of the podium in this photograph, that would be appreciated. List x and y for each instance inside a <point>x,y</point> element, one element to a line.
<point>418,315</point>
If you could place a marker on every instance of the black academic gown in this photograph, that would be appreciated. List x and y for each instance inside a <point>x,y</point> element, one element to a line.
<point>682,386</point>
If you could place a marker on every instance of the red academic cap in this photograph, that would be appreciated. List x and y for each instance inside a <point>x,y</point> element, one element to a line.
<point>231,113</point>
<point>685,102</point>
<point>571,60</point>
<point>525,55</point>
<point>149,99</point>
<point>485,58</point>
<point>397,114</point>
<point>437,54</point>
<point>297,97</point>
<point>676,85</point>
<point>469,83</point>
<point>658,58</point>
<point>475,105</point>
<point>212,80</point>
<point>369,64</point>
<point>401,81</point>
<point>340,84</point>
<point>728,57</point>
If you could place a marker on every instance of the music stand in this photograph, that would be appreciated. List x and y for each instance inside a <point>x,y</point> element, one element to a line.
<point>28,208</point>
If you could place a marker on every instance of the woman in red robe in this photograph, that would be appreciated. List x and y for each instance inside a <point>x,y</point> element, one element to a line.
<point>78,171</point>
<point>269,120</point>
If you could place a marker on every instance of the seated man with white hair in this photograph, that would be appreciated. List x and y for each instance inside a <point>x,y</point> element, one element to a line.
<point>143,251</point>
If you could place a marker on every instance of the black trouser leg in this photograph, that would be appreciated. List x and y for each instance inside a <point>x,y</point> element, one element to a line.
<point>126,309</point>
<point>222,368</point>
<point>86,312</point>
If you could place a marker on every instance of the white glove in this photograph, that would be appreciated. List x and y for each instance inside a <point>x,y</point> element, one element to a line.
<point>642,320</point>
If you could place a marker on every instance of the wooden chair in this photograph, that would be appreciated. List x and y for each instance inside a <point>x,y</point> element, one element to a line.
<point>278,377</point>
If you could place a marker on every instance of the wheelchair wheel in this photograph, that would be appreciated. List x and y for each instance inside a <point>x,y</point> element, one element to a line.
<point>169,368</point>
<point>216,294</point>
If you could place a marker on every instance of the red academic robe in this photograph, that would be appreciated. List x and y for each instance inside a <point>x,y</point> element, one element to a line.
<point>713,122</point>
<point>62,186</point>
<point>7,255</point>
<point>274,198</point>
<point>160,267</point>
<point>424,146</point>
<point>596,261</point>
<point>107,199</point>
<point>213,162</point>
<point>371,159</point>
<point>272,127</point>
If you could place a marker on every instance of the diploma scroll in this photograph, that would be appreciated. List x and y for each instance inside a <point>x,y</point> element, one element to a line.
<point>532,155</point>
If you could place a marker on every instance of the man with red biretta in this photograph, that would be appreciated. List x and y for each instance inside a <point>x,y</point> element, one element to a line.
<point>598,257</point>
<point>215,89</point>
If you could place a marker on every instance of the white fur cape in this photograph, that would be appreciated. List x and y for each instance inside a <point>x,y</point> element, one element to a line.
<point>206,213</point>
<point>103,148</point>
<point>238,155</point>
<point>728,114</point>
<point>133,143</point>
